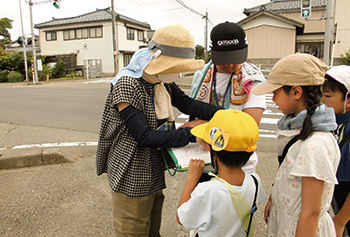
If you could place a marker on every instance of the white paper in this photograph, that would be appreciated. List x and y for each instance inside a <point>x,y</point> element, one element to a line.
<point>191,151</point>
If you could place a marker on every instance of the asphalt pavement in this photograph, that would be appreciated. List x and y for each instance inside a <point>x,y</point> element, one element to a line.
<point>49,186</point>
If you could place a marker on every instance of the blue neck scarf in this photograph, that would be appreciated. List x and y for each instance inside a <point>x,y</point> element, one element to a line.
<point>323,120</point>
<point>138,63</point>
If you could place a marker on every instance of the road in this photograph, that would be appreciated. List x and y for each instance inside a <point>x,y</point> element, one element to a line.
<point>60,109</point>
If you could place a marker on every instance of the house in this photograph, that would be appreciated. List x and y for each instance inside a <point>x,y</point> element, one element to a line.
<point>88,38</point>
<point>17,45</point>
<point>276,29</point>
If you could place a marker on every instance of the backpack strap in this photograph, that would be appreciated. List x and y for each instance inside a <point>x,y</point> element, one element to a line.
<point>286,148</point>
<point>254,207</point>
<point>240,204</point>
<point>345,139</point>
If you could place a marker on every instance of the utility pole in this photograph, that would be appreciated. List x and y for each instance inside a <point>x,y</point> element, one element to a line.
<point>115,53</point>
<point>206,55</point>
<point>329,31</point>
<point>24,42</point>
<point>35,78</point>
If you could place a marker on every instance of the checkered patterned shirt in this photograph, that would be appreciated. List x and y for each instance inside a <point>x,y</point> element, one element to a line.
<point>133,170</point>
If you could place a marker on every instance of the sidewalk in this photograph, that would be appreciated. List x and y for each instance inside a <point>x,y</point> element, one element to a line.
<point>61,195</point>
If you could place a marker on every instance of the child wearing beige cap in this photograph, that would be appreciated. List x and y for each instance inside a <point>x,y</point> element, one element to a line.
<point>304,184</point>
<point>223,206</point>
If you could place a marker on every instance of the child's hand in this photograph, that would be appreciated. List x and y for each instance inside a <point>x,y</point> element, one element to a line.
<point>339,227</point>
<point>267,209</point>
<point>203,143</point>
<point>195,169</point>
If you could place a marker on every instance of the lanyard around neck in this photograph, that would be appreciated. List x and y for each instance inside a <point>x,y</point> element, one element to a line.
<point>148,90</point>
<point>226,91</point>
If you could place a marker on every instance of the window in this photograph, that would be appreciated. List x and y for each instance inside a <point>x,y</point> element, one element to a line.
<point>69,34</point>
<point>130,34</point>
<point>127,58</point>
<point>81,33</point>
<point>314,48</point>
<point>51,36</point>
<point>70,60</point>
<point>140,35</point>
<point>95,32</point>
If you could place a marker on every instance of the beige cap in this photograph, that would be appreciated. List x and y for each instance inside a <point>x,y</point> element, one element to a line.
<point>298,69</point>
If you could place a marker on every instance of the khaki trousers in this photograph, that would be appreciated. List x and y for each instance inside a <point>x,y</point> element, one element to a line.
<point>137,216</point>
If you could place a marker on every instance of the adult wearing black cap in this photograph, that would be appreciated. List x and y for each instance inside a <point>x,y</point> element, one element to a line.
<point>227,80</point>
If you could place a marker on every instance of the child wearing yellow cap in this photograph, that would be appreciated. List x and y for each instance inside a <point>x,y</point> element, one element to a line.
<point>223,206</point>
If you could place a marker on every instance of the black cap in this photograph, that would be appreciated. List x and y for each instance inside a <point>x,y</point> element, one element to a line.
<point>229,45</point>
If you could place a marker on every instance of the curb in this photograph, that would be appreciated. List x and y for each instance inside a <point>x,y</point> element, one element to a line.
<point>34,156</point>
<point>13,159</point>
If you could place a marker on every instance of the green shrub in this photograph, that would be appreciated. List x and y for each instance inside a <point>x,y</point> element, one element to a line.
<point>346,57</point>
<point>3,75</point>
<point>15,77</point>
<point>42,74</point>
<point>71,75</point>
<point>59,70</point>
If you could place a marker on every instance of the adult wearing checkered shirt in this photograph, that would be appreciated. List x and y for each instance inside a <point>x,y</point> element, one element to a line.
<point>140,100</point>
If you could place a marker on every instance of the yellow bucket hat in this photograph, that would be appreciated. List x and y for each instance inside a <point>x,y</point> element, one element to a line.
<point>229,130</point>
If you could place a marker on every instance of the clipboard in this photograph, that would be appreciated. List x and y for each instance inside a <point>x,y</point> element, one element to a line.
<point>182,155</point>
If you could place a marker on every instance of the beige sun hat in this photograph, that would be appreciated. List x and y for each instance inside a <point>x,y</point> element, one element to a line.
<point>174,51</point>
<point>299,69</point>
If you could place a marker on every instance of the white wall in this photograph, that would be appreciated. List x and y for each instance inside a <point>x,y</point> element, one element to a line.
<point>97,48</point>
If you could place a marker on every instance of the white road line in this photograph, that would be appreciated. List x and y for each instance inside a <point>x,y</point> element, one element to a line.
<point>2,149</point>
<point>269,112</point>
<point>267,136</point>
<point>98,81</point>
<point>269,120</point>
<point>266,131</point>
<point>184,116</point>
<point>63,144</point>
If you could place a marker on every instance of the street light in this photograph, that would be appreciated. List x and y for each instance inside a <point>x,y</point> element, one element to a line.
<point>24,42</point>
<point>30,4</point>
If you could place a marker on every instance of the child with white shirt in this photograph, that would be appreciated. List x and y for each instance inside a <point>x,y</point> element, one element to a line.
<point>223,206</point>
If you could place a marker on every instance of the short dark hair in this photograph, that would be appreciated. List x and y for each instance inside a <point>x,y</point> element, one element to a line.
<point>233,159</point>
<point>334,85</point>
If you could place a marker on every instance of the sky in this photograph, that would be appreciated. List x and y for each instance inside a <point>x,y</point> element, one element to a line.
<point>157,13</point>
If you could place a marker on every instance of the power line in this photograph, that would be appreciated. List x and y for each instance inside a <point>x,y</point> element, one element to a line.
<point>194,11</point>
<point>189,8</point>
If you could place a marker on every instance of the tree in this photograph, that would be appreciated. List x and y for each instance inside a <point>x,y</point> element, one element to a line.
<point>346,57</point>
<point>199,52</point>
<point>5,25</point>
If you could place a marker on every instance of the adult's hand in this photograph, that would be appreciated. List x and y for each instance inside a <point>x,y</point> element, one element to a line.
<point>193,123</point>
